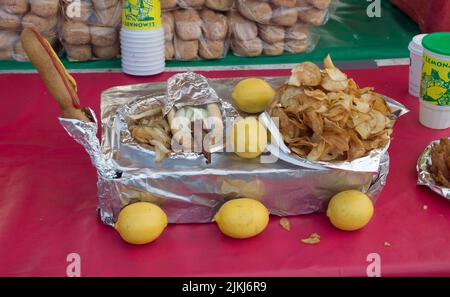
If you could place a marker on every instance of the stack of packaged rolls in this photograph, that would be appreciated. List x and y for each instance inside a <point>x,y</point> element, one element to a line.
<point>195,34</point>
<point>276,26</point>
<point>195,29</point>
<point>15,15</point>
<point>285,12</point>
<point>91,31</point>
<point>314,12</point>
<point>251,39</point>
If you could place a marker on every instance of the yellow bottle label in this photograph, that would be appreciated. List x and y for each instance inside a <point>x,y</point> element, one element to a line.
<point>141,14</point>
<point>435,86</point>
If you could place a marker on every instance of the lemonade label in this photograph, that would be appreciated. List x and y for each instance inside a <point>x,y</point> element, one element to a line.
<point>435,86</point>
<point>141,14</point>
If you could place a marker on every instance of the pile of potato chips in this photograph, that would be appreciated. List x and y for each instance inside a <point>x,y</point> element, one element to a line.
<point>324,116</point>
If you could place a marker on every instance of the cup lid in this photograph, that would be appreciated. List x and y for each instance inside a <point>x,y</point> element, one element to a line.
<point>438,43</point>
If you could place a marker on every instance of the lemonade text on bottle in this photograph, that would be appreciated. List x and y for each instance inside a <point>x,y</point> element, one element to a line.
<point>141,14</point>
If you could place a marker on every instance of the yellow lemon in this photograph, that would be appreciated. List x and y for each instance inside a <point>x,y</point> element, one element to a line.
<point>350,210</point>
<point>249,138</point>
<point>242,218</point>
<point>436,92</point>
<point>141,222</point>
<point>252,95</point>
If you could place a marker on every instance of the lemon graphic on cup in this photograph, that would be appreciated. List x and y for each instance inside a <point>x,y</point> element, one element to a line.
<point>350,210</point>
<point>141,222</point>
<point>436,92</point>
<point>252,95</point>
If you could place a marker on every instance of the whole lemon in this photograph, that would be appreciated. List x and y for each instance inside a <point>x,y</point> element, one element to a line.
<point>249,138</point>
<point>350,210</point>
<point>242,218</point>
<point>252,95</point>
<point>141,222</point>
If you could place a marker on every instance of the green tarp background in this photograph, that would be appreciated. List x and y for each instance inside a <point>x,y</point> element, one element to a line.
<point>349,35</point>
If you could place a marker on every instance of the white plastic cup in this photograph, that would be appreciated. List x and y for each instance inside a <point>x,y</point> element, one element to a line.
<point>142,39</point>
<point>134,55</point>
<point>415,67</point>
<point>149,50</point>
<point>151,47</point>
<point>149,68</point>
<point>138,60</point>
<point>434,116</point>
<point>142,33</point>
<point>143,61</point>
<point>144,72</point>
<point>143,64</point>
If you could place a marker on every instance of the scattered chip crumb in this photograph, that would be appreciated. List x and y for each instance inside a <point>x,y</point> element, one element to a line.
<point>284,222</point>
<point>312,239</point>
<point>387,244</point>
<point>425,207</point>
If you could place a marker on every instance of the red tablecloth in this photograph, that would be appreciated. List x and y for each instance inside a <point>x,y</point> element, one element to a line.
<point>48,203</point>
<point>431,15</point>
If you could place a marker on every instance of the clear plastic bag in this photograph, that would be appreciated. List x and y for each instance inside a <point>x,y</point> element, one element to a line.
<point>15,15</point>
<point>197,4</point>
<point>252,39</point>
<point>314,12</point>
<point>218,5</point>
<point>188,24</point>
<point>90,29</point>
<point>286,12</point>
<point>191,34</point>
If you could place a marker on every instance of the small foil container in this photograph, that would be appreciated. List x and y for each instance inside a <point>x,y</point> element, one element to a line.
<point>424,176</point>
<point>184,186</point>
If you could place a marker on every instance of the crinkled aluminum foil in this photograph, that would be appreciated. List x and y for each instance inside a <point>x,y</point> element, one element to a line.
<point>188,189</point>
<point>188,89</point>
<point>86,135</point>
<point>424,177</point>
<point>120,146</point>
